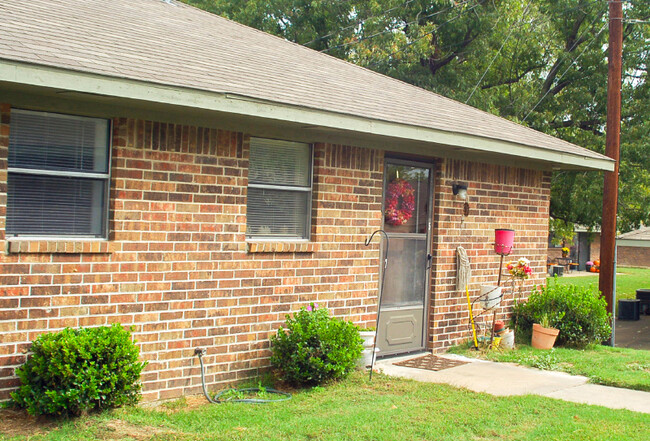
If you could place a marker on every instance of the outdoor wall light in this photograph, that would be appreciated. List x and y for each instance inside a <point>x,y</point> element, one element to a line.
<point>460,190</point>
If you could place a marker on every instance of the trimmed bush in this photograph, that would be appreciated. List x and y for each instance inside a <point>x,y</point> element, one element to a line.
<point>580,313</point>
<point>78,370</point>
<point>314,347</point>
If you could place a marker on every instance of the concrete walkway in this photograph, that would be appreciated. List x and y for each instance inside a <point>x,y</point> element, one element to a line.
<point>502,379</point>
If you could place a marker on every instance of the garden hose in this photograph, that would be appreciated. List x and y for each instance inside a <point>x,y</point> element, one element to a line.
<point>218,400</point>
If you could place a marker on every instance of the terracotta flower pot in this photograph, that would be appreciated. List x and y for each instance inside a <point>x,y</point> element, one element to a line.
<point>543,338</point>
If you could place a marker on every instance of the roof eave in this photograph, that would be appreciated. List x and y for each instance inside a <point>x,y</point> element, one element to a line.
<point>637,243</point>
<point>37,75</point>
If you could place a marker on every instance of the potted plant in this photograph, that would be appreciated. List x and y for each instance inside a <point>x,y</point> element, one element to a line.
<point>565,251</point>
<point>544,334</point>
<point>368,335</point>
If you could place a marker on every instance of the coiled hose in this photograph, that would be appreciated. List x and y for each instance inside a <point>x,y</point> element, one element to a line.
<point>218,400</point>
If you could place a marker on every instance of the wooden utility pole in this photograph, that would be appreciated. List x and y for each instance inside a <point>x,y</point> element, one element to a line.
<point>612,149</point>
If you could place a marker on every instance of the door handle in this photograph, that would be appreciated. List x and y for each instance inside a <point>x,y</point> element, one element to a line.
<point>429,260</point>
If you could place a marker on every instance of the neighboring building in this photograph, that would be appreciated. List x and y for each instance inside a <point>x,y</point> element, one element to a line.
<point>171,170</point>
<point>585,247</point>
<point>633,248</point>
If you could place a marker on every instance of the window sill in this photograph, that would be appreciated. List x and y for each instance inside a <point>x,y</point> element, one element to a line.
<point>280,247</point>
<point>58,246</point>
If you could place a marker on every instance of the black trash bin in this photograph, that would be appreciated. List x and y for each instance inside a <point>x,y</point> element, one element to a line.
<point>644,296</point>
<point>557,270</point>
<point>628,309</point>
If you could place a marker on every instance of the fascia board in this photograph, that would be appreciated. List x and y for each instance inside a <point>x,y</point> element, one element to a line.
<point>107,86</point>
<point>633,243</point>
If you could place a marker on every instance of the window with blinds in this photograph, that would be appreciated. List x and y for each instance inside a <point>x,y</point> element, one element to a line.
<point>58,175</point>
<point>279,189</point>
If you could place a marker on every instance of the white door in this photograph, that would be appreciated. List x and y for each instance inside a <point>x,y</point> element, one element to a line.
<point>407,221</point>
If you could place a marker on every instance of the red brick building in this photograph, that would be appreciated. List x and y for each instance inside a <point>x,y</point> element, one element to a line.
<point>633,248</point>
<point>170,170</point>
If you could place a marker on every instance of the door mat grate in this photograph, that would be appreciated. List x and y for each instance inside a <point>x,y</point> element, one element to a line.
<point>431,363</point>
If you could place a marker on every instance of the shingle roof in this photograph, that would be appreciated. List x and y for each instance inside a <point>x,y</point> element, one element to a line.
<point>642,233</point>
<point>170,43</point>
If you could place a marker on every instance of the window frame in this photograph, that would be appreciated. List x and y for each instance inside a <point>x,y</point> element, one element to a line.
<point>309,190</point>
<point>105,177</point>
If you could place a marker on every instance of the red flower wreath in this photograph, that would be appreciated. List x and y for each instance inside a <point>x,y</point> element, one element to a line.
<point>400,202</point>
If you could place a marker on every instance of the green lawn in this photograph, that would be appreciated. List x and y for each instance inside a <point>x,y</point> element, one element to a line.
<point>620,367</point>
<point>628,280</point>
<point>355,409</point>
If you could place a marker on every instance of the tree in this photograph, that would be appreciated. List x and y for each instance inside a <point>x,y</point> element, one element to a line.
<point>562,233</point>
<point>542,63</point>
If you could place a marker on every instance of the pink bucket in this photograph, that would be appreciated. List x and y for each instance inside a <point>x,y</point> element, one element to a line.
<point>503,240</point>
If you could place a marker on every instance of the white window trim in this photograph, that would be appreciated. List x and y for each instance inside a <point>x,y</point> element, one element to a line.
<point>308,221</point>
<point>103,176</point>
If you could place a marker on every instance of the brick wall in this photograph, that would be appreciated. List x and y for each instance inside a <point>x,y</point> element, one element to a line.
<point>178,269</point>
<point>594,248</point>
<point>626,256</point>
<point>554,253</point>
<point>499,197</point>
<point>177,266</point>
<point>634,256</point>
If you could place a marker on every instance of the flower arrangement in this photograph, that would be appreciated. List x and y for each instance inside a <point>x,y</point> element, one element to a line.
<point>565,251</point>
<point>400,202</point>
<point>520,269</point>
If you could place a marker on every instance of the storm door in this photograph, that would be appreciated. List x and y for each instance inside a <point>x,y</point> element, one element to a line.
<point>407,221</point>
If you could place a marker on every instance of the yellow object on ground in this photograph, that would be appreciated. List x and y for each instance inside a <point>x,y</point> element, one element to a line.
<point>471,316</point>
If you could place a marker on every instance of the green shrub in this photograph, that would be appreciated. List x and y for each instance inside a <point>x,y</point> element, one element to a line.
<point>315,347</point>
<point>580,313</point>
<point>78,370</point>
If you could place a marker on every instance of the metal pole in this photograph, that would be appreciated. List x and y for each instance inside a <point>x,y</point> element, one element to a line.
<point>612,341</point>
<point>500,270</point>
<point>612,149</point>
<point>381,289</point>
<point>494,314</point>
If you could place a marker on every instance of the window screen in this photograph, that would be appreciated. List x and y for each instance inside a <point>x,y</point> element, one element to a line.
<point>279,189</point>
<point>58,175</point>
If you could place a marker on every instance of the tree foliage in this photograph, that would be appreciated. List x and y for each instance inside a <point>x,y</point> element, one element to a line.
<point>562,233</point>
<point>542,63</point>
